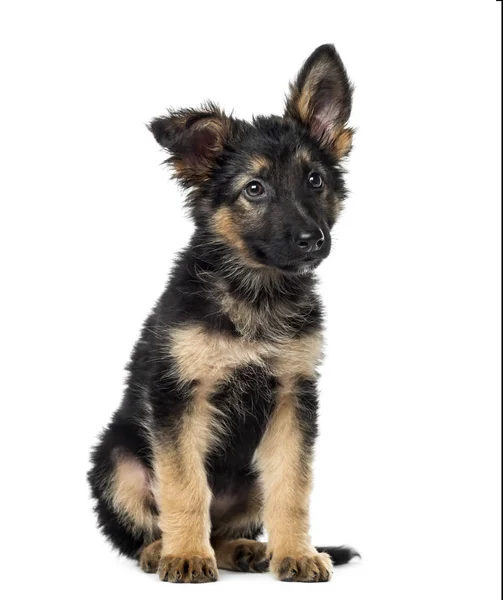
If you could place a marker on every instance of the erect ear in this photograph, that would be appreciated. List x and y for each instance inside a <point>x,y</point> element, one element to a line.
<point>320,99</point>
<point>194,138</point>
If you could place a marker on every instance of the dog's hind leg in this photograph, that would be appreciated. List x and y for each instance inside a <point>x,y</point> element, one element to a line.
<point>121,484</point>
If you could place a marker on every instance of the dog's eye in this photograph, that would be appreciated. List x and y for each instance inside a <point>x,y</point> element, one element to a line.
<point>254,190</point>
<point>315,181</point>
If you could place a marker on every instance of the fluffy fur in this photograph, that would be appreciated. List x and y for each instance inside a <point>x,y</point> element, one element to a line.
<point>214,436</point>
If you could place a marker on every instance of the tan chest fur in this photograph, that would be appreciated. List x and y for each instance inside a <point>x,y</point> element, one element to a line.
<point>209,358</point>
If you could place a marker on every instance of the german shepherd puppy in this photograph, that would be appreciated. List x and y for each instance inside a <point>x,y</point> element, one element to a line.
<point>214,437</point>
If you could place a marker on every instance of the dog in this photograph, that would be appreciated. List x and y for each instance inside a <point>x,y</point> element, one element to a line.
<point>214,437</point>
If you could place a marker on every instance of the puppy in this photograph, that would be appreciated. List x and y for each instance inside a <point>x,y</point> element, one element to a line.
<point>214,437</point>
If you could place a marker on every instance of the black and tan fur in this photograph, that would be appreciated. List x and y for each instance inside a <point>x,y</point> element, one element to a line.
<point>214,436</point>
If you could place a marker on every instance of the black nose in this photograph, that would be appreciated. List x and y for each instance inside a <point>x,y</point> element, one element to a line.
<point>310,241</point>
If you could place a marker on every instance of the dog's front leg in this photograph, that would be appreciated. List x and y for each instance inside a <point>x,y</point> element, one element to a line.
<point>284,460</point>
<point>184,498</point>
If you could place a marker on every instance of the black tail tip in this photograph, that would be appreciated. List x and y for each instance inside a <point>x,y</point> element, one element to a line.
<point>340,555</point>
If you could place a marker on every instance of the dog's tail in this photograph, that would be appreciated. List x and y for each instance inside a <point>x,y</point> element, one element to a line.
<point>340,555</point>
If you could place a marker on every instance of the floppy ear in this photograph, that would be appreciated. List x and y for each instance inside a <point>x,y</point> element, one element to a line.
<point>320,99</point>
<point>194,138</point>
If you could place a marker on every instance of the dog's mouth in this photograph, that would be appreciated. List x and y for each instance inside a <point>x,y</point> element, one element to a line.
<point>291,266</point>
<point>304,265</point>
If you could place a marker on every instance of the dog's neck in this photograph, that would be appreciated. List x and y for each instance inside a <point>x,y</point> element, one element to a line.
<point>261,302</point>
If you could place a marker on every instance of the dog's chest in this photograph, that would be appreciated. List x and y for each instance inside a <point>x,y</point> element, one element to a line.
<point>212,358</point>
<point>240,380</point>
<point>245,403</point>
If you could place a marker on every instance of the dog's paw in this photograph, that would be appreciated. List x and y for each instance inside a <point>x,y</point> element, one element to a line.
<point>313,568</point>
<point>250,556</point>
<point>188,569</point>
<point>150,557</point>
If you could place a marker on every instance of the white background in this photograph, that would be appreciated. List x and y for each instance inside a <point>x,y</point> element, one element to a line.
<point>407,465</point>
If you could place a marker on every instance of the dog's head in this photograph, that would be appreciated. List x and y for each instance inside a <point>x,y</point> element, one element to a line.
<point>270,190</point>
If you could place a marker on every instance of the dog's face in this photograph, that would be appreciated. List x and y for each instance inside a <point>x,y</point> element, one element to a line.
<point>272,189</point>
